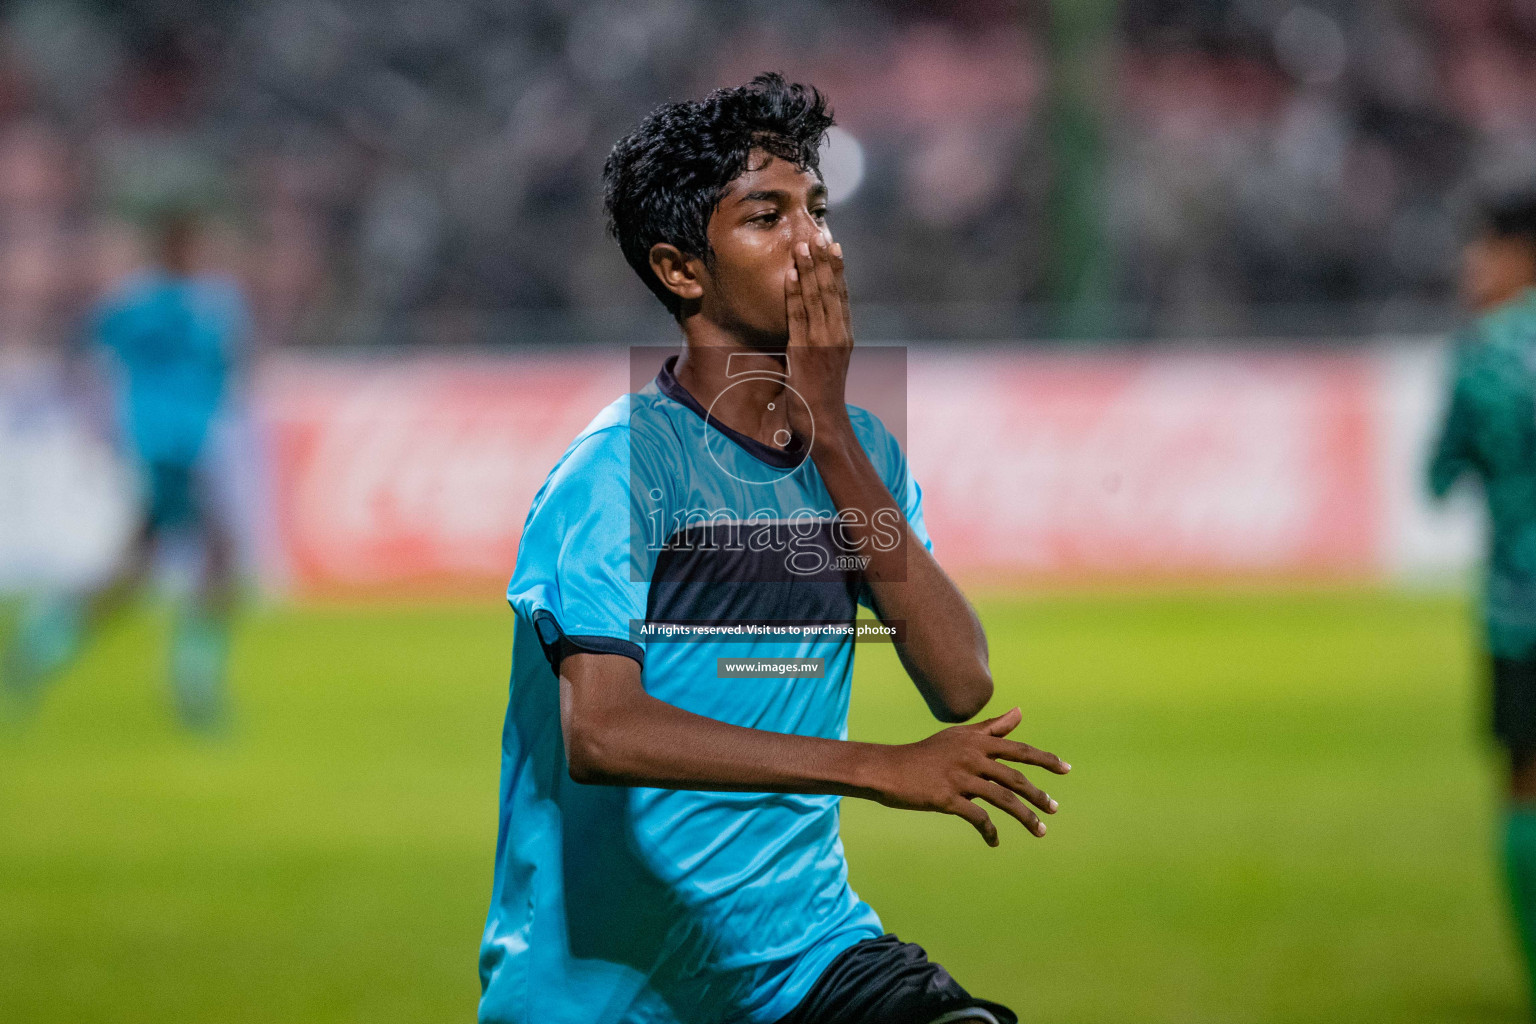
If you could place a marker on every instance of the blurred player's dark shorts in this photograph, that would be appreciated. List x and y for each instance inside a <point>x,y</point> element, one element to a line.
<point>887,981</point>
<point>171,495</point>
<point>1514,705</point>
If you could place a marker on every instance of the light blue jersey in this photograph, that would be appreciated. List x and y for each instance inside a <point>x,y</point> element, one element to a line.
<point>176,340</point>
<point>624,904</point>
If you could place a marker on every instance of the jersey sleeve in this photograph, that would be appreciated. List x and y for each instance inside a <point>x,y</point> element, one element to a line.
<point>885,451</point>
<point>1454,451</point>
<point>236,334</point>
<point>583,566</point>
<point>104,326</point>
<point>891,461</point>
<point>905,489</point>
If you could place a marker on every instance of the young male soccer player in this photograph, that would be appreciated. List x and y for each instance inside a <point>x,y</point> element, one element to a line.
<point>173,337</point>
<point>1490,431</point>
<point>668,847</point>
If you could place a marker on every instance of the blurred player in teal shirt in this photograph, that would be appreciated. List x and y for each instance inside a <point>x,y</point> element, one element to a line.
<point>172,337</point>
<point>1489,432</point>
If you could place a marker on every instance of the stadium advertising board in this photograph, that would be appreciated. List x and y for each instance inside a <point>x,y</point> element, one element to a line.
<point>415,476</point>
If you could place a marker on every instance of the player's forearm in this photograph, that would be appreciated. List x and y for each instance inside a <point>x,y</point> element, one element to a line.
<point>942,645</point>
<point>648,742</point>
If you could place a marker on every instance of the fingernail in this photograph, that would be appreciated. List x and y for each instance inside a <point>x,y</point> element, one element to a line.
<point>803,249</point>
<point>837,249</point>
<point>1066,766</point>
<point>794,274</point>
<point>1041,830</point>
<point>821,241</point>
<point>1052,804</point>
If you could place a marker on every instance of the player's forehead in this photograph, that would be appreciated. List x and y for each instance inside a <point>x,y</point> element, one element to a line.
<point>766,174</point>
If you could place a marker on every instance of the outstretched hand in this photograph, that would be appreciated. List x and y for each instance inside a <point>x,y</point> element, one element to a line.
<point>951,769</point>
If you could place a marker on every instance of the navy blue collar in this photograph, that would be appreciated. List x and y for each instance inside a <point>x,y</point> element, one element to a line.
<point>779,458</point>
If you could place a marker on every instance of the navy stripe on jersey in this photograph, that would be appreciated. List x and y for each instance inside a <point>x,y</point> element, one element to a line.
<point>755,571</point>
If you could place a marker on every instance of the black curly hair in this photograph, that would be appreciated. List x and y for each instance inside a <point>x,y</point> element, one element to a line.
<point>663,181</point>
<point>1510,213</point>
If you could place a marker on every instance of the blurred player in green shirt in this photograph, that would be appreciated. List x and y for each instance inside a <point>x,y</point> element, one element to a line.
<point>1489,431</point>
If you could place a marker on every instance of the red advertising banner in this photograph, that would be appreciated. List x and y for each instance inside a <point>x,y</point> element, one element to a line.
<point>1169,465</point>
<point>417,475</point>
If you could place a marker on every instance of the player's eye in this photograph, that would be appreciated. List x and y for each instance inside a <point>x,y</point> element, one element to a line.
<point>820,213</point>
<point>768,218</point>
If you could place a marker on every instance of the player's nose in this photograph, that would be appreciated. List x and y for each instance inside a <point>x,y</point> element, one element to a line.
<point>804,228</point>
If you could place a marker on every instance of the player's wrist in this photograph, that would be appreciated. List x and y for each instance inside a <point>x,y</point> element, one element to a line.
<point>870,768</point>
<point>834,436</point>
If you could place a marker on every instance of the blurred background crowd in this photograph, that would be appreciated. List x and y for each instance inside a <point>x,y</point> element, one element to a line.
<point>394,171</point>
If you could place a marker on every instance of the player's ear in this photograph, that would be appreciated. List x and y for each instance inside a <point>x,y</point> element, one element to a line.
<point>678,271</point>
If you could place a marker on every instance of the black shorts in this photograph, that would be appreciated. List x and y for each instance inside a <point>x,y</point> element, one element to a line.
<point>1514,704</point>
<point>887,981</point>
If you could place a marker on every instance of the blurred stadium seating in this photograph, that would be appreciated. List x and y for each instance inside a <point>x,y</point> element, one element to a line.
<point>399,172</point>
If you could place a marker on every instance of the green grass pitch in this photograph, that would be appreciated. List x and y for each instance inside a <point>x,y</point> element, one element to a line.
<point>1281,810</point>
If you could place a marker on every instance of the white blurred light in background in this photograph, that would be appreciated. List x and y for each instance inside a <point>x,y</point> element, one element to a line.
<point>1310,46</point>
<point>842,165</point>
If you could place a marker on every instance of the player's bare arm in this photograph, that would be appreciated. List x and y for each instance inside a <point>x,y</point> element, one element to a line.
<point>942,645</point>
<point>617,734</point>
